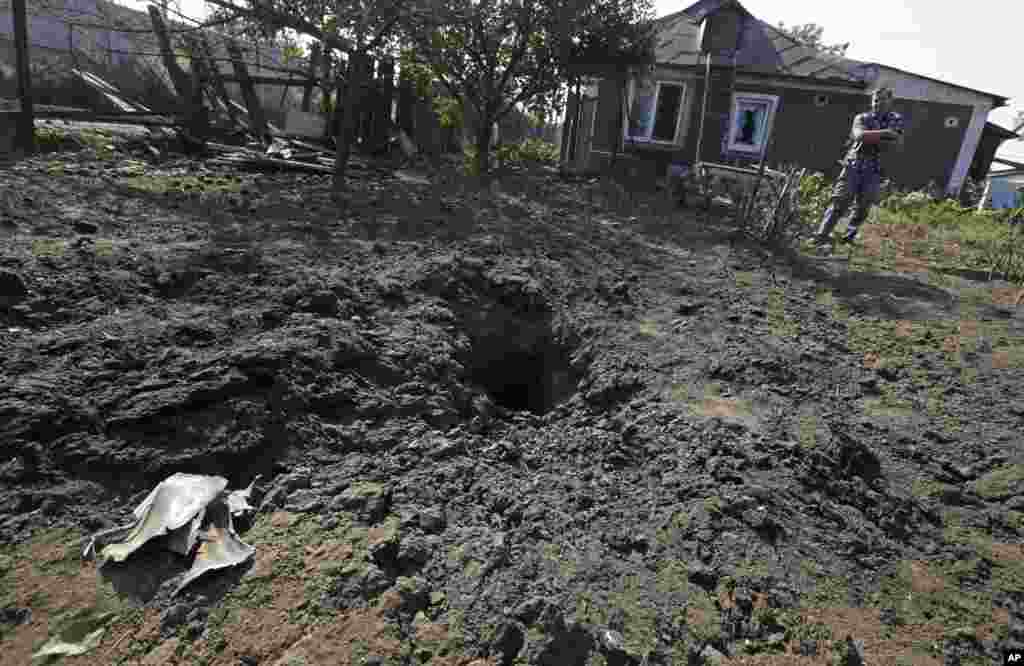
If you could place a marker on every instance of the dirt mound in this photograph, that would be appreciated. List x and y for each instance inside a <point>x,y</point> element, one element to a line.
<point>556,437</point>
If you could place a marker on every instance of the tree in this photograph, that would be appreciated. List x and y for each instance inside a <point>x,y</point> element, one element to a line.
<point>494,55</point>
<point>809,34</point>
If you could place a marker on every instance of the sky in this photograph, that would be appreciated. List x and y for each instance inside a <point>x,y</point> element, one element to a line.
<point>918,36</point>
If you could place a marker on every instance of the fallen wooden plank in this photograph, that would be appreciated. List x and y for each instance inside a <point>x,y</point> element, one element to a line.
<point>90,115</point>
<point>263,80</point>
<point>111,120</point>
<point>266,162</point>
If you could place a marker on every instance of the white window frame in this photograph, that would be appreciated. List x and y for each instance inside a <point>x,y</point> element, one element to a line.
<point>628,139</point>
<point>773,105</point>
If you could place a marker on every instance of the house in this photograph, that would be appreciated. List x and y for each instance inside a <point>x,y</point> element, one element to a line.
<point>765,92</point>
<point>1006,189</point>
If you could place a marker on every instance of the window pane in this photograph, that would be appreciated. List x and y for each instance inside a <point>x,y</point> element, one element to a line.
<point>750,124</point>
<point>669,99</point>
<point>641,116</point>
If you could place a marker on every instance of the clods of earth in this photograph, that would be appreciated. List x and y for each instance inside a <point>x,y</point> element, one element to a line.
<point>509,427</point>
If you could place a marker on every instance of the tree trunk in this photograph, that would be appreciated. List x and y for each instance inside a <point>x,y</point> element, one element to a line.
<point>483,148</point>
<point>358,66</point>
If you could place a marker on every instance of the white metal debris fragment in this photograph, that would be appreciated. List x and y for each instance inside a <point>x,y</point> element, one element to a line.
<point>76,634</point>
<point>184,509</point>
<point>57,647</point>
<point>238,500</point>
<point>220,546</point>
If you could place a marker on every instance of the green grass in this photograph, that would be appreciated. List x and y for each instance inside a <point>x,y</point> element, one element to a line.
<point>648,328</point>
<point>48,247</point>
<point>956,238</point>
<point>950,606</point>
<point>1000,483</point>
<point>158,184</point>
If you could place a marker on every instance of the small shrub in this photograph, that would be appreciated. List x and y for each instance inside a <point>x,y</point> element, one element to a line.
<point>815,194</point>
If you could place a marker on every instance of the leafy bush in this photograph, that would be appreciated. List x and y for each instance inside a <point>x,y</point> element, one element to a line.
<point>815,193</point>
<point>529,150</point>
<point>535,151</point>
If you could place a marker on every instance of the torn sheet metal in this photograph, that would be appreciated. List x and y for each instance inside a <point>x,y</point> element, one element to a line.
<point>220,546</point>
<point>184,509</point>
<point>238,500</point>
<point>171,505</point>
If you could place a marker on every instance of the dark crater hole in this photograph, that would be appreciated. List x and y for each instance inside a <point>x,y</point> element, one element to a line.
<point>520,362</point>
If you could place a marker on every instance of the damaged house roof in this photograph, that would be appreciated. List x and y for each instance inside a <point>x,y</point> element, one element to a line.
<point>767,49</point>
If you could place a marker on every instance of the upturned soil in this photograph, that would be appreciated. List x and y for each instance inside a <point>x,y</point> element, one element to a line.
<point>525,426</point>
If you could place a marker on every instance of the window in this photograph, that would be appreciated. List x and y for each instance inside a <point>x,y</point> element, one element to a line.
<point>655,110</point>
<point>952,121</point>
<point>751,122</point>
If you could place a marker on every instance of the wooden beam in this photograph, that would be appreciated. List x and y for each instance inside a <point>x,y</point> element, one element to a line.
<point>26,129</point>
<point>217,80</point>
<point>315,56</point>
<point>155,121</point>
<point>182,84</point>
<point>267,80</point>
<point>199,118</point>
<point>88,115</point>
<point>257,122</point>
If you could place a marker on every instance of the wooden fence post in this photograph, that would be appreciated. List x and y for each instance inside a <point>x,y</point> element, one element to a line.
<point>26,132</point>
<point>257,123</point>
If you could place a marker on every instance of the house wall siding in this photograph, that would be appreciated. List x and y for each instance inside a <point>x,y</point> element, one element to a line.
<point>805,134</point>
<point>930,149</point>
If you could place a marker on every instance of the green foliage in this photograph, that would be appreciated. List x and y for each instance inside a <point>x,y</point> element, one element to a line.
<point>418,73</point>
<point>527,151</point>
<point>809,34</point>
<point>292,52</point>
<point>815,193</point>
<point>797,628</point>
<point>497,57</point>
<point>449,111</point>
<point>50,138</point>
<point>470,164</point>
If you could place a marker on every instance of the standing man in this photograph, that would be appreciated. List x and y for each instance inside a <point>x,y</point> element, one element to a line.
<point>861,177</point>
